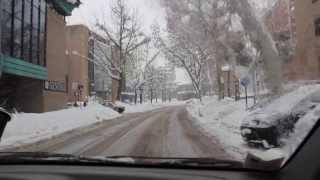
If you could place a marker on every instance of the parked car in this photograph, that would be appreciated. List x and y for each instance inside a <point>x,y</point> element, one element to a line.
<point>119,109</point>
<point>265,128</point>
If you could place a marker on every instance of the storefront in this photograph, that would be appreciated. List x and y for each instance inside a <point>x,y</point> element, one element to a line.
<point>25,64</point>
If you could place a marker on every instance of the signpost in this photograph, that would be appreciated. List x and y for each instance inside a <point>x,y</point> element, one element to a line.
<point>245,82</point>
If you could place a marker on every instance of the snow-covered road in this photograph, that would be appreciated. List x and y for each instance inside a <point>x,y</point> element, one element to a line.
<point>165,132</point>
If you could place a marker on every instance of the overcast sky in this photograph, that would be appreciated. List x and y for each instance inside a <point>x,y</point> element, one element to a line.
<point>149,11</point>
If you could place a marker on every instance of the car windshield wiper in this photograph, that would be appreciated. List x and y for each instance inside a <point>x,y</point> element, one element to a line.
<point>47,158</point>
<point>181,162</point>
<point>7,157</point>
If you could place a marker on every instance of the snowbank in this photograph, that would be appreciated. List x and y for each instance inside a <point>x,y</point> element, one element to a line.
<point>29,128</point>
<point>222,120</point>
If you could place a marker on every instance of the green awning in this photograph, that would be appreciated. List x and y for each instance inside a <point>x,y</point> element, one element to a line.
<point>64,7</point>
<point>18,67</point>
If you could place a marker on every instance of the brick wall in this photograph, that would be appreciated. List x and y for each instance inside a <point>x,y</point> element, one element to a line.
<point>56,60</point>
<point>77,41</point>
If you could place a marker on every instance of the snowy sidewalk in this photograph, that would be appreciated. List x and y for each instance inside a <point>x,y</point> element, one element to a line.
<point>27,128</point>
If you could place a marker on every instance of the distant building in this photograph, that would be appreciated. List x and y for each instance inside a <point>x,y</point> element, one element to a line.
<point>100,80</point>
<point>87,63</point>
<point>185,92</point>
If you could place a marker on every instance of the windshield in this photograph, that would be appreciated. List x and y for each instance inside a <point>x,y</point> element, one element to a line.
<point>223,80</point>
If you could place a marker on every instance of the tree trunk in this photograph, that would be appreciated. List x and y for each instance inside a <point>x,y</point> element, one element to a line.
<point>122,86</point>
<point>151,96</point>
<point>141,96</point>
<point>135,96</point>
<point>258,34</point>
<point>119,89</point>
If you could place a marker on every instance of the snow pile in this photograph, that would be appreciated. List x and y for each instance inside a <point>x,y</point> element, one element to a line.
<point>29,128</point>
<point>221,120</point>
<point>132,108</point>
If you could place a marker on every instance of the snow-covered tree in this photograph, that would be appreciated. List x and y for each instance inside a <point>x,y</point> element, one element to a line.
<point>139,64</point>
<point>125,35</point>
<point>263,41</point>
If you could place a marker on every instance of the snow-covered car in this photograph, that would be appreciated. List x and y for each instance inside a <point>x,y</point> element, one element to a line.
<point>119,109</point>
<point>265,128</point>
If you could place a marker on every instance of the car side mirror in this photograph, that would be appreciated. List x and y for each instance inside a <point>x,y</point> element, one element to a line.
<point>268,161</point>
<point>5,117</point>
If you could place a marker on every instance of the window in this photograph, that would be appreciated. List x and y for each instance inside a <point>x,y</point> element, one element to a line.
<point>42,35</point>
<point>317,26</point>
<point>17,36</point>
<point>23,26</point>
<point>27,31</point>
<point>6,25</point>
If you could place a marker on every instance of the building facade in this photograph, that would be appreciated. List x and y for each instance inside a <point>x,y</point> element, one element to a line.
<point>296,23</point>
<point>77,38</point>
<point>100,80</point>
<point>32,56</point>
<point>306,62</point>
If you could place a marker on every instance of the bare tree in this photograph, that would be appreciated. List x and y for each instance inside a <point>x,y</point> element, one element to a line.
<point>125,36</point>
<point>140,64</point>
<point>213,20</point>
<point>187,42</point>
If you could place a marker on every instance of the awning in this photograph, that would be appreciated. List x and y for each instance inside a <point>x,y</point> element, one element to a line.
<point>18,67</point>
<point>65,7</point>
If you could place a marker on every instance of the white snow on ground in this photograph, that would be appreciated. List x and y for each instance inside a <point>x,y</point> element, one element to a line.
<point>27,128</point>
<point>222,120</point>
<point>132,108</point>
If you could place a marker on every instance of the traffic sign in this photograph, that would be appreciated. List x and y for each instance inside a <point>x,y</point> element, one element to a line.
<point>245,81</point>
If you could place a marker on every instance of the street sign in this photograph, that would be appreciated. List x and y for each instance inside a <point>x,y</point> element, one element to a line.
<point>57,86</point>
<point>245,81</point>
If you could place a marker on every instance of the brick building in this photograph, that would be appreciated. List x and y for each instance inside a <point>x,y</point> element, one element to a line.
<point>86,57</point>
<point>306,62</point>
<point>32,54</point>
<point>296,22</point>
<point>77,38</point>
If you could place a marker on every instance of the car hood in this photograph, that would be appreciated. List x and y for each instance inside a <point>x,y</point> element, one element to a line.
<point>262,119</point>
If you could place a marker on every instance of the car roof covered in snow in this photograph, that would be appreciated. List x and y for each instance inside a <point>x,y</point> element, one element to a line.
<point>295,101</point>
